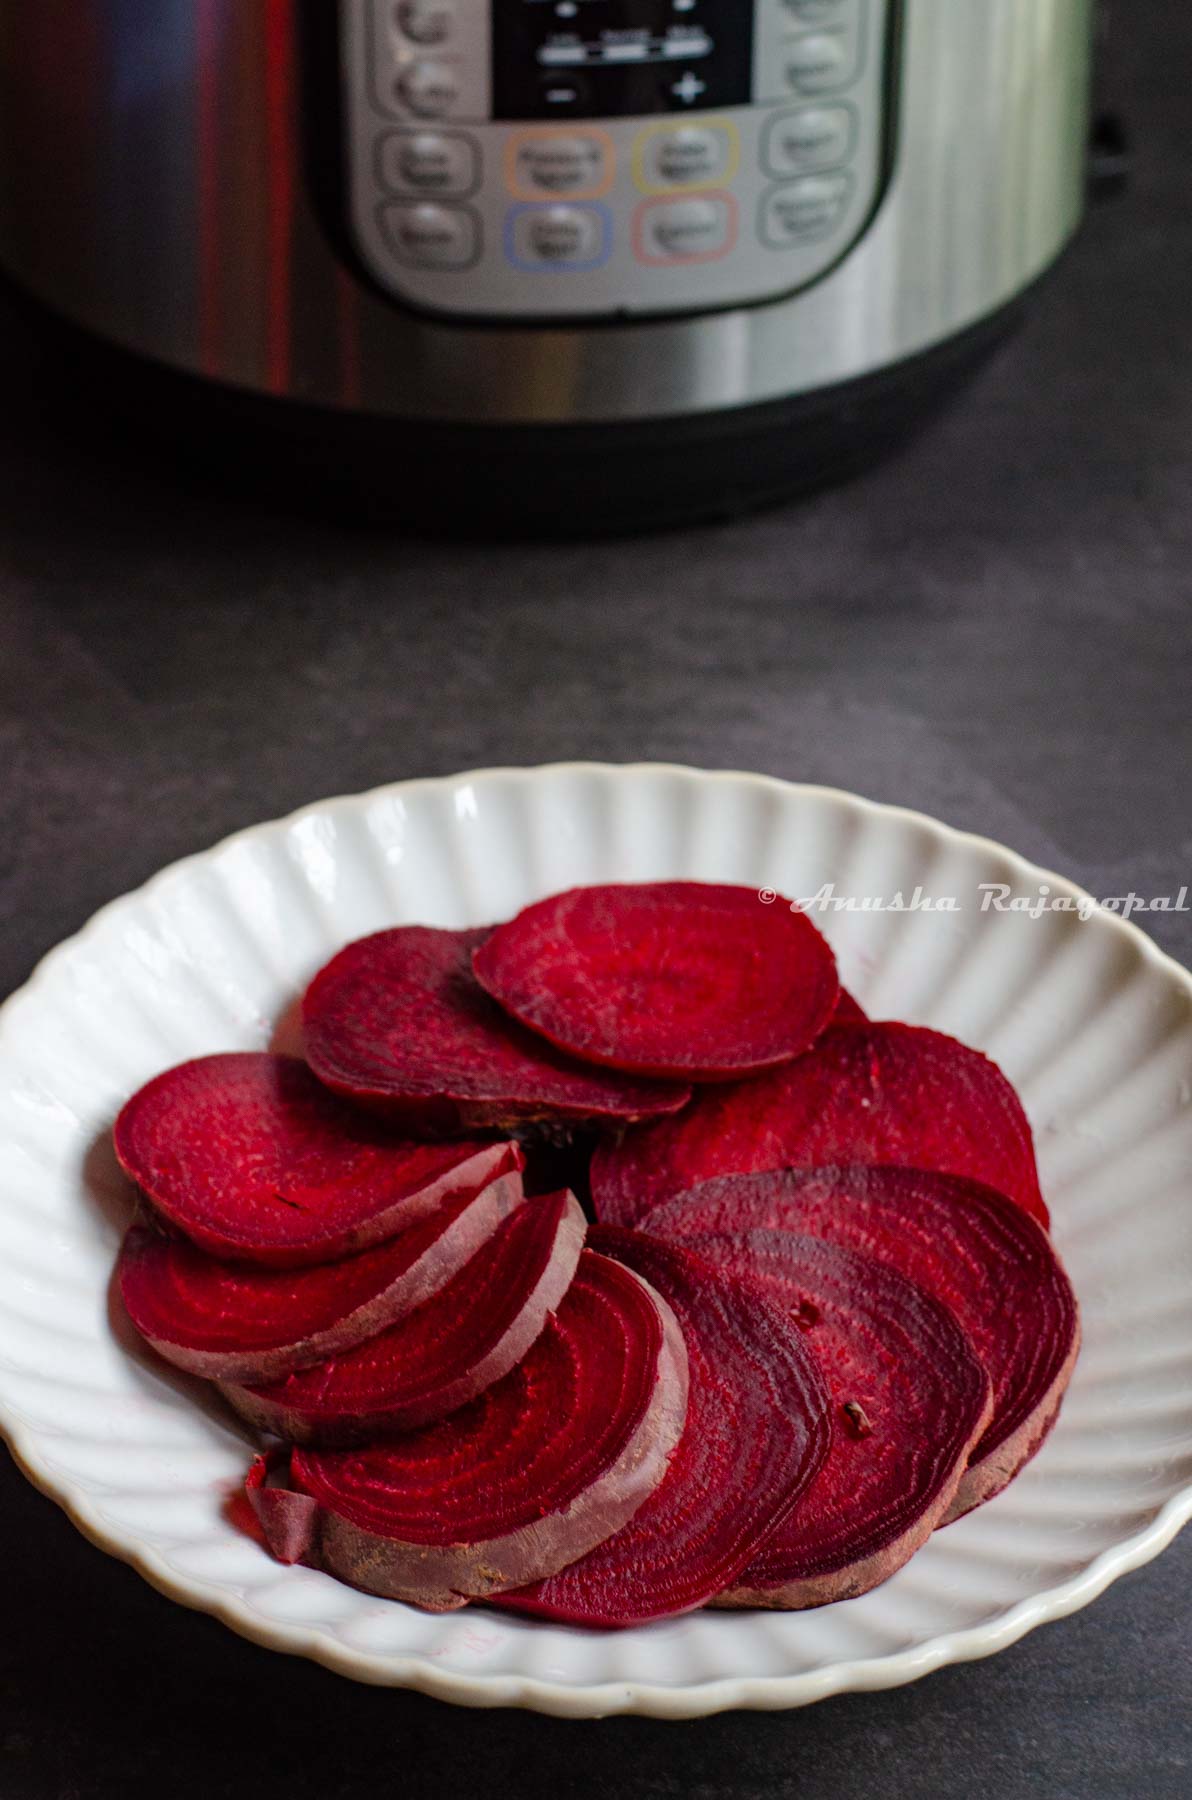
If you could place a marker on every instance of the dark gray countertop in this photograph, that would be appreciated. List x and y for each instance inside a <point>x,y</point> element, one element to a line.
<point>994,628</point>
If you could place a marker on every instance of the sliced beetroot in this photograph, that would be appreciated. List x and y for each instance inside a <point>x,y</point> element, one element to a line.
<point>233,1322</point>
<point>399,1023</point>
<point>254,1160</point>
<point>849,1011</point>
<point>875,1094</point>
<point>969,1246</point>
<point>682,980</point>
<point>438,1358</point>
<point>757,1432</point>
<point>545,1465</point>
<point>909,1400</point>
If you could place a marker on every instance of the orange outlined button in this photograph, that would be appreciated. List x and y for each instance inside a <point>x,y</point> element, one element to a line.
<point>579,164</point>
<point>696,228</point>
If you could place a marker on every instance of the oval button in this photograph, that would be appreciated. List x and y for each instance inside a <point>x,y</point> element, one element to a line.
<point>802,211</point>
<point>433,237</point>
<point>690,156</point>
<point>685,230</point>
<point>812,137</point>
<point>562,234</point>
<point>429,89</point>
<point>560,164</point>
<point>429,162</point>
<point>813,9</point>
<point>426,21</point>
<point>817,61</point>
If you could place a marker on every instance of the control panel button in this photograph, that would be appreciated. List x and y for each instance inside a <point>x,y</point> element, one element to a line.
<point>686,88</point>
<point>425,21</point>
<point>818,62</point>
<point>680,231</point>
<point>675,155</point>
<point>428,162</point>
<point>690,156</point>
<point>432,237</point>
<point>551,162</point>
<point>429,89</point>
<point>571,238</point>
<point>801,211</point>
<point>562,234</point>
<point>563,91</point>
<point>813,9</point>
<point>810,137</point>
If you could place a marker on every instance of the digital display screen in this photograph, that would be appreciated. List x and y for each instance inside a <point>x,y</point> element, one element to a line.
<point>610,58</point>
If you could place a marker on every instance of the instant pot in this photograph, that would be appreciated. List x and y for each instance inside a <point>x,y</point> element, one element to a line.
<point>551,264</point>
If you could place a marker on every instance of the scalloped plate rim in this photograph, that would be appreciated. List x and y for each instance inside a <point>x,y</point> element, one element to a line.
<point>576,1700</point>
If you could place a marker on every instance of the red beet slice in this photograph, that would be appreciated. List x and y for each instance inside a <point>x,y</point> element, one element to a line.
<point>255,1161</point>
<point>453,1347</point>
<point>677,979</point>
<point>879,1094</point>
<point>849,1011</point>
<point>399,1023</point>
<point>234,1322</point>
<point>909,1400</point>
<point>757,1432</point>
<point>541,1468</point>
<point>969,1246</point>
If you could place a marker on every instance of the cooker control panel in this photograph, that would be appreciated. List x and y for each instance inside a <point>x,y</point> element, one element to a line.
<point>545,159</point>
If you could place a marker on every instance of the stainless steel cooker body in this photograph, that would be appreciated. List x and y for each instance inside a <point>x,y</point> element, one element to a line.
<point>171,179</point>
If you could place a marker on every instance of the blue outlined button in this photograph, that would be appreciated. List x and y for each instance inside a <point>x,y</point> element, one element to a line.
<point>569,239</point>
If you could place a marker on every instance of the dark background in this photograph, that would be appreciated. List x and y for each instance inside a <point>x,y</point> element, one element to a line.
<point>994,628</point>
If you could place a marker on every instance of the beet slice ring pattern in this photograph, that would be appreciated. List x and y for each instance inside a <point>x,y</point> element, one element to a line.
<point>682,980</point>
<point>534,1474</point>
<point>909,1400</point>
<point>876,1094</point>
<point>971,1247</point>
<point>757,1432</point>
<point>399,1023</point>
<point>237,1322</point>
<point>453,1347</point>
<point>254,1160</point>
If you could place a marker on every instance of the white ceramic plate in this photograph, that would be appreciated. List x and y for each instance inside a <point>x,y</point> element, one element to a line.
<point>1086,1015</point>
